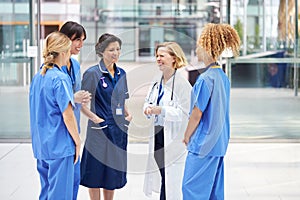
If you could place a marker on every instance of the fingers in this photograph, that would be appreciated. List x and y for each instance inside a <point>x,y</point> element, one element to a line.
<point>98,120</point>
<point>86,97</point>
<point>77,152</point>
<point>148,111</point>
<point>185,141</point>
<point>156,110</point>
<point>76,159</point>
<point>82,97</point>
<point>128,118</point>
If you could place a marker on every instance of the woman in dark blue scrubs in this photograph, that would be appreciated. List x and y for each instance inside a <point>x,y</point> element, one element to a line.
<point>104,158</point>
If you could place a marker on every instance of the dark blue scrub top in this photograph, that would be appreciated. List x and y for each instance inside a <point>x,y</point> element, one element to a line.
<point>108,93</point>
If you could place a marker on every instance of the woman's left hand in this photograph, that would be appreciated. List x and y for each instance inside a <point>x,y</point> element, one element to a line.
<point>186,140</point>
<point>156,110</point>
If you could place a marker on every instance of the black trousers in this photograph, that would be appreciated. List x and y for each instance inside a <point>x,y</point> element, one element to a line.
<point>159,156</point>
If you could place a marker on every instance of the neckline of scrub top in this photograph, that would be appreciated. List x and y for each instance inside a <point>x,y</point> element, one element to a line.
<point>211,65</point>
<point>215,66</point>
<point>103,68</point>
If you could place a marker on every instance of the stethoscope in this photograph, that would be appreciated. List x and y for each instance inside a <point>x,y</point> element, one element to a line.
<point>171,103</point>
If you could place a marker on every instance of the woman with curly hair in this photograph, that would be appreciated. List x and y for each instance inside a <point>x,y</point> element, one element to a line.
<point>207,134</point>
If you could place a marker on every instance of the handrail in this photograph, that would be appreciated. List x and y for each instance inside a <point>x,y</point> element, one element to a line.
<point>15,60</point>
<point>265,60</point>
<point>296,62</point>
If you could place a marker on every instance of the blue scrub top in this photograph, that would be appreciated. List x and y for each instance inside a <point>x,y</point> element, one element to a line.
<point>211,94</point>
<point>108,93</point>
<point>75,76</point>
<point>49,97</point>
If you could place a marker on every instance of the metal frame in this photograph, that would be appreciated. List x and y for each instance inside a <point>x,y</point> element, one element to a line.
<point>295,61</point>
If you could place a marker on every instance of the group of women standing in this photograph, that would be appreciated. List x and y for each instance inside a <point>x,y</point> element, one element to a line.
<point>197,117</point>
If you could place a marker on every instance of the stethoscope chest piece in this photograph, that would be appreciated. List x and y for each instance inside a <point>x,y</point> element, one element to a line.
<point>171,103</point>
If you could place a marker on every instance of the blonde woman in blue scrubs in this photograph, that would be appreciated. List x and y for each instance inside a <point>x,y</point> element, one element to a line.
<point>207,134</point>
<point>54,132</point>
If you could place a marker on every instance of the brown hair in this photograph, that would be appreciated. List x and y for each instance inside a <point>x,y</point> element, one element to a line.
<point>215,38</point>
<point>174,50</point>
<point>103,42</point>
<point>71,28</point>
<point>55,44</point>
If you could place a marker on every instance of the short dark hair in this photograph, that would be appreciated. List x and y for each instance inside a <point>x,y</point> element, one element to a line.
<point>104,40</point>
<point>71,28</point>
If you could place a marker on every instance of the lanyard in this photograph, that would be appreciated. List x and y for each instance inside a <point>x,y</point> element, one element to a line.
<point>161,92</point>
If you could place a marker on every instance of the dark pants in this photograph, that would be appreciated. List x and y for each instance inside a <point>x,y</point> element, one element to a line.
<point>160,157</point>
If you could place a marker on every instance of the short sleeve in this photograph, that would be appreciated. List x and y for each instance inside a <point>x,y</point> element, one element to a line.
<point>63,94</point>
<point>201,95</point>
<point>88,81</point>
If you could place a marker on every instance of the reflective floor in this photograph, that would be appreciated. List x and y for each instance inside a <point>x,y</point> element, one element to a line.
<point>262,161</point>
<point>254,171</point>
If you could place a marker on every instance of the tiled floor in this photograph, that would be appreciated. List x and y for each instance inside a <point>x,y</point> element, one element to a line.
<point>256,171</point>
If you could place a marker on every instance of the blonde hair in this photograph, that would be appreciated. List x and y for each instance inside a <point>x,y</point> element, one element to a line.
<point>55,44</point>
<point>174,50</point>
<point>215,38</point>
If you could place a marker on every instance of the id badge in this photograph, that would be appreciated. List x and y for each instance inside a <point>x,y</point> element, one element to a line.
<point>119,111</point>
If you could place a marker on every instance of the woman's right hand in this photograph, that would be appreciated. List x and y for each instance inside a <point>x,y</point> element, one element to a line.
<point>148,111</point>
<point>77,153</point>
<point>97,120</point>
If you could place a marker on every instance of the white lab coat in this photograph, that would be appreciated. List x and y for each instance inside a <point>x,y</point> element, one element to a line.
<point>175,122</point>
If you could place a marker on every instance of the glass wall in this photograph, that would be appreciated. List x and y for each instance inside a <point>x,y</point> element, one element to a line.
<point>269,56</point>
<point>14,38</point>
<point>142,24</point>
<point>19,52</point>
<point>15,68</point>
<point>265,77</point>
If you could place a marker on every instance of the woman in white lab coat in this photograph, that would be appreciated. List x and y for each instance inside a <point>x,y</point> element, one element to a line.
<point>167,105</point>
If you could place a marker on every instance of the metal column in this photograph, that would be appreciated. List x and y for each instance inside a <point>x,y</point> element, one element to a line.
<point>296,75</point>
